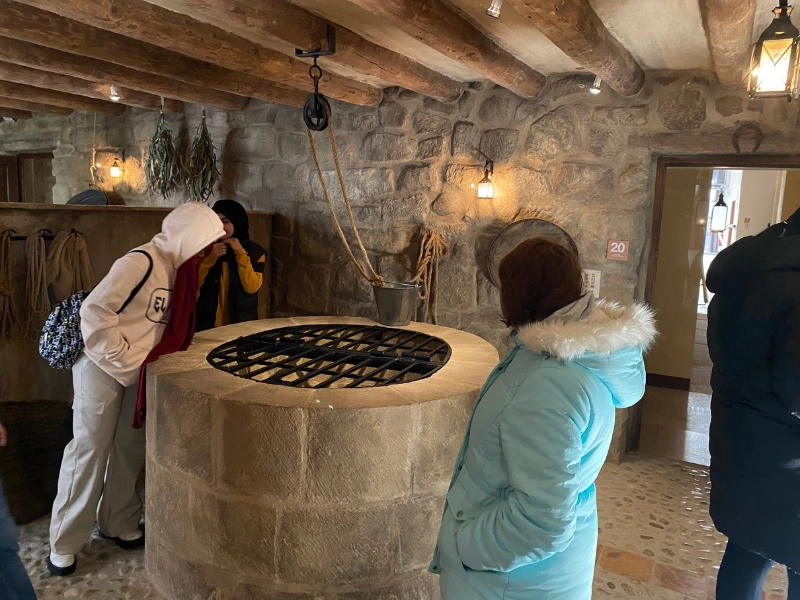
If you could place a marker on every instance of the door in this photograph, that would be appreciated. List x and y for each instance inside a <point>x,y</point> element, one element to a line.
<point>9,179</point>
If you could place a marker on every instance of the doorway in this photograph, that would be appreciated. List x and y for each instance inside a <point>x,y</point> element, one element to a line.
<point>27,177</point>
<point>702,206</point>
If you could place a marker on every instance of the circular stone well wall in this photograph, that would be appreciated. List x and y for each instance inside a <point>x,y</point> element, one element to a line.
<point>259,491</point>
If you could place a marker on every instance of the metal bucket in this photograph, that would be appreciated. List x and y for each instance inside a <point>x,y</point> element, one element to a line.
<point>396,302</point>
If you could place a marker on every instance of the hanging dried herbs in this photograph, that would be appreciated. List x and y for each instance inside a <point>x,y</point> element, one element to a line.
<point>163,165</point>
<point>203,173</point>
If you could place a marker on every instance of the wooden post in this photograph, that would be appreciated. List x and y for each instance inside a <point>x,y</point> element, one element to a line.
<point>729,26</point>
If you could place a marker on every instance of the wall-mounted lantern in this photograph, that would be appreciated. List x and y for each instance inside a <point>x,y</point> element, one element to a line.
<point>115,170</point>
<point>719,215</point>
<point>485,185</point>
<point>774,65</point>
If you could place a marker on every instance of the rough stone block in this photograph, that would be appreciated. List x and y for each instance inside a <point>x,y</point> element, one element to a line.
<point>294,146</point>
<point>418,522</point>
<point>395,267</point>
<point>387,147</point>
<point>499,108</point>
<point>606,142</point>
<point>682,108</point>
<point>183,436</point>
<point>463,177</point>
<point>554,134</point>
<point>529,111</point>
<point>417,586</point>
<point>451,203</point>
<point>463,140</point>
<point>392,114</point>
<point>350,285</point>
<point>359,455</point>
<point>635,176</point>
<point>320,546</point>
<point>442,428</point>
<point>499,144</point>
<point>568,85</point>
<point>428,123</point>
<point>310,288</point>
<point>457,287</point>
<point>583,180</point>
<point>729,105</point>
<point>488,293</point>
<point>254,143</point>
<point>268,592</point>
<point>315,239</point>
<point>245,177</point>
<point>445,108</point>
<point>522,182</point>
<point>262,450</point>
<point>392,239</point>
<point>179,578</point>
<point>411,208</point>
<point>234,535</point>
<point>622,116</point>
<point>364,186</point>
<point>366,119</point>
<point>422,178</point>
<point>593,233</point>
<point>466,103</point>
<point>430,148</point>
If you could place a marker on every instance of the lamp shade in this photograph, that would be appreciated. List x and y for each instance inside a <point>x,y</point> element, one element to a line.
<point>719,216</point>
<point>774,64</point>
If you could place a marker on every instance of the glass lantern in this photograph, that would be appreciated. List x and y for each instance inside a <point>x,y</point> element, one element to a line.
<point>485,185</point>
<point>116,169</point>
<point>774,65</point>
<point>494,9</point>
<point>719,215</point>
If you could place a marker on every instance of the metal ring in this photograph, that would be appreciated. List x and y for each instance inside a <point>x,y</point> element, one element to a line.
<point>311,72</point>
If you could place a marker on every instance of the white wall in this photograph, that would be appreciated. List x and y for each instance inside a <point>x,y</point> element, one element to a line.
<point>760,189</point>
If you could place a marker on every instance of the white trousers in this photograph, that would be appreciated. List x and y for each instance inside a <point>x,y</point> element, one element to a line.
<point>101,464</point>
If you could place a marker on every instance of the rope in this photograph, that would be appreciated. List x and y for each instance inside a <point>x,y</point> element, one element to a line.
<point>375,279</point>
<point>9,313</point>
<point>431,249</point>
<point>36,283</point>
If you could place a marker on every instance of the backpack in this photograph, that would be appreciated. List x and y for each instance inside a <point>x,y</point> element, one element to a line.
<point>62,342</point>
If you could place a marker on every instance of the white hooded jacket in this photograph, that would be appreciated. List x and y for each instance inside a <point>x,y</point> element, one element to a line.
<point>119,343</point>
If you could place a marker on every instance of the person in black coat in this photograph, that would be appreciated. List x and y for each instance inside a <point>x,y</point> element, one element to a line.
<point>754,342</point>
<point>232,274</point>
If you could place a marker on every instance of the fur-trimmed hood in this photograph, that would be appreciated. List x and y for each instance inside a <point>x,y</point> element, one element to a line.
<point>609,341</point>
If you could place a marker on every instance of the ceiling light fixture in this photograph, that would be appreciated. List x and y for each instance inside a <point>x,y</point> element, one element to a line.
<point>494,9</point>
<point>774,64</point>
<point>114,96</point>
<point>595,89</point>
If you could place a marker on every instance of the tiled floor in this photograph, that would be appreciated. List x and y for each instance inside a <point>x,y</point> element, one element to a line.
<point>656,542</point>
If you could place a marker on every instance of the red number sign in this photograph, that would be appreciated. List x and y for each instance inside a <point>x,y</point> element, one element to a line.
<point>617,250</point>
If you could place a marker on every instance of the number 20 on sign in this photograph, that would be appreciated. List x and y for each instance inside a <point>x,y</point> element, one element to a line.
<point>617,250</point>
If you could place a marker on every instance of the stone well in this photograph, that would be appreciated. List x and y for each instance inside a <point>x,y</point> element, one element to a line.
<point>258,491</point>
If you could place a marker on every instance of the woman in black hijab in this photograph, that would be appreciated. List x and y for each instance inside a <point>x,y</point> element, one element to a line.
<point>232,274</point>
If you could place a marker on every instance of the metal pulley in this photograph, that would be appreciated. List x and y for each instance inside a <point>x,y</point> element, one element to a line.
<point>317,109</point>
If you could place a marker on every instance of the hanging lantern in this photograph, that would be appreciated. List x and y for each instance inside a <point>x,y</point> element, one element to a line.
<point>485,185</point>
<point>719,216</point>
<point>116,169</point>
<point>774,66</point>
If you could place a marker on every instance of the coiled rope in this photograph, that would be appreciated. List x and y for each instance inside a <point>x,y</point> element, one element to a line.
<point>36,284</point>
<point>431,249</point>
<point>9,312</point>
<point>375,279</point>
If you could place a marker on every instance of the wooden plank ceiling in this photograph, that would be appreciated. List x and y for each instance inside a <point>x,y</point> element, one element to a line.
<point>62,55</point>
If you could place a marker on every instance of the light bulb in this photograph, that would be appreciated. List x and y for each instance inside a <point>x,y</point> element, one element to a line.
<point>114,96</point>
<point>595,89</point>
<point>494,9</point>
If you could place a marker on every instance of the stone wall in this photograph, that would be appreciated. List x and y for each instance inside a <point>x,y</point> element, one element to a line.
<point>410,164</point>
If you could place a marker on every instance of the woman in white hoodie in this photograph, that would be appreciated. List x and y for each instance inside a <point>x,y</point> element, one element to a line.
<point>105,458</point>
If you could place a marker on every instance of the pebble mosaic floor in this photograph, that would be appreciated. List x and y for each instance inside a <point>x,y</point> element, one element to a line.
<point>657,542</point>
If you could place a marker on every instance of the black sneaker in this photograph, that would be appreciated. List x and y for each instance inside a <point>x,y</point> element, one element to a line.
<point>61,571</point>
<point>125,544</point>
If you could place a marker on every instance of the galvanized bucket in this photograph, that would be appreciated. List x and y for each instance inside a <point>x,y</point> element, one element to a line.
<point>396,302</point>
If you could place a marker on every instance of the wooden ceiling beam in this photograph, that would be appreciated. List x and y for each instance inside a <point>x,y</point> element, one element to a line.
<point>161,41</point>
<point>102,72</point>
<point>35,107</point>
<point>575,28</point>
<point>15,113</point>
<point>45,96</point>
<point>81,87</point>
<point>287,22</point>
<point>729,27</point>
<point>435,24</point>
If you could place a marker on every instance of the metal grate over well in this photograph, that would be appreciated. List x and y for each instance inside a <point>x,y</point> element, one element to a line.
<point>333,356</point>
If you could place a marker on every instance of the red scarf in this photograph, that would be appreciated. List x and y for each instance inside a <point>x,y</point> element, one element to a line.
<point>179,331</point>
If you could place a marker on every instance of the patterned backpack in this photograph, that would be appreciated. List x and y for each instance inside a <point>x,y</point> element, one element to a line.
<point>62,342</point>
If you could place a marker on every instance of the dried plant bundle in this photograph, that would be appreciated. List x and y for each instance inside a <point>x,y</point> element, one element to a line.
<point>203,174</point>
<point>163,166</point>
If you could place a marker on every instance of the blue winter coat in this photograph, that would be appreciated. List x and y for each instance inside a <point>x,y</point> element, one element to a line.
<point>520,520</point>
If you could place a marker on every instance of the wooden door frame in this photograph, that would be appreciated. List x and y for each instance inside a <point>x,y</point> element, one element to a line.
<point>12,185</point>
<point>720,161</point>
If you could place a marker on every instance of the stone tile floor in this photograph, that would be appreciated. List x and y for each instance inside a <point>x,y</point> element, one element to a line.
<point>656,542</point>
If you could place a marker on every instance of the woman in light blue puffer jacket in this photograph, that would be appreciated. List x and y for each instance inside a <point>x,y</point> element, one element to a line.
<point>520,520</point>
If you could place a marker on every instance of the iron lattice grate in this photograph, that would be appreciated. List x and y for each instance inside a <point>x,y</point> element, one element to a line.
<point>333,356</point>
